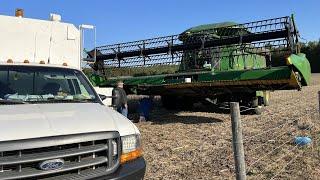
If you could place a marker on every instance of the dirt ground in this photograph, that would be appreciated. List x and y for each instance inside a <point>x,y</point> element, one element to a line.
<point>197,145</point>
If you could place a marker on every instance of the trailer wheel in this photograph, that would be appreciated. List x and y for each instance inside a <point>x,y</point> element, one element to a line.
<point>258,110</point>
<point>169,102</point>
<point>185,103</point>
<point>256,104</point>
<point>174,102</point>
<point>266,98</point>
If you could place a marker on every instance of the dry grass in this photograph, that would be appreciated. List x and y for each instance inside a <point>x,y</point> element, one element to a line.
<point>193,145</point>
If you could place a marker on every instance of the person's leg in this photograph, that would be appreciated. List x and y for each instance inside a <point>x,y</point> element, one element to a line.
<point>124,112</point>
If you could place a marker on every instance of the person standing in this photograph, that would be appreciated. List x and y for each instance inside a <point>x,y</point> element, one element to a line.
<point>120,100</point>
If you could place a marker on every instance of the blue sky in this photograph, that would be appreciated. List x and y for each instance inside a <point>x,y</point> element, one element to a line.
<point>128,20</point>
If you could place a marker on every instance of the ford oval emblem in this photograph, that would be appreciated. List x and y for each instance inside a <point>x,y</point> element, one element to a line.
<point>52,164</point>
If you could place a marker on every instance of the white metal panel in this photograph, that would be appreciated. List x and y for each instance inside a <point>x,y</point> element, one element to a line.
<point>36,40</point>
<point>72,34</point>
<point>107,91</point>
<point>41,120</point>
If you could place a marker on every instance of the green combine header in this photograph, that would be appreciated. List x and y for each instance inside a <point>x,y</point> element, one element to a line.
<point>214,63</point>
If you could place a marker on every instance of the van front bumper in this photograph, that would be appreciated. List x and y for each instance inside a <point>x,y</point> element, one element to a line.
<point>133,170</point>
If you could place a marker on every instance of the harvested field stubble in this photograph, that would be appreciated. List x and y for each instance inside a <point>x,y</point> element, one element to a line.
<point>197,145</point>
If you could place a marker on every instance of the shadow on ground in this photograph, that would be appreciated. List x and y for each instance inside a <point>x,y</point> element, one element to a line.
<point>197,107</point>
<point>173,117</point>
<point>160,115</point>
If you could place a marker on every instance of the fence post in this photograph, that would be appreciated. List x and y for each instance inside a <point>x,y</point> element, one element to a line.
<point>237,141</point>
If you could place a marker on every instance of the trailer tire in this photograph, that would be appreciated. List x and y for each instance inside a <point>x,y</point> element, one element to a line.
<point>266,98</point>
<point>173,102</point>
<point>256,104</point>
<point>169,102</point>
<point>258,110</point>
<point>185,103</point>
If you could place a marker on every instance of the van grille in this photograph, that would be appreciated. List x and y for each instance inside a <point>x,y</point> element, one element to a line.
<point>84,156</point>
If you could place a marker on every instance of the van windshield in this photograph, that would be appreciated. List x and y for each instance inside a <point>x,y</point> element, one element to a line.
<point>34,84</point>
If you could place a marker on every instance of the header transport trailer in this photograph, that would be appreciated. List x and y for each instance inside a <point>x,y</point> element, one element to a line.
<point>215,63</point>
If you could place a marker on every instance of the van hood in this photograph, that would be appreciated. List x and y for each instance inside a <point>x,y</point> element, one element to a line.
<point>27,121</point>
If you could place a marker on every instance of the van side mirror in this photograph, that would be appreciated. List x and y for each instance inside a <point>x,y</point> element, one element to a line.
<point>102,97</point>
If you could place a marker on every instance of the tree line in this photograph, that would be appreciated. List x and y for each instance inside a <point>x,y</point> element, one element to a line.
<point>312,51</point>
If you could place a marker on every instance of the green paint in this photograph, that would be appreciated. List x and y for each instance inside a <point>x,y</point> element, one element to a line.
<point>276,73</point>
<point>233,59</point>
<point>301,63</point>
<point>204,27</point>
<point>96,80</point>
<point>222,58</point>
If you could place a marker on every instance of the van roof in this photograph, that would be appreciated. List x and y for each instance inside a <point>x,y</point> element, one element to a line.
<point>37,64</point>
<point>35,40</point>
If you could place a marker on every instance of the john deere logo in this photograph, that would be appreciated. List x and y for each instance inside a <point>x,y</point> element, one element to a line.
<point>52,164</point>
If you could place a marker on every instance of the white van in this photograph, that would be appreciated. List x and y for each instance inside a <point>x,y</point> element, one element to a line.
<point>53,123</point>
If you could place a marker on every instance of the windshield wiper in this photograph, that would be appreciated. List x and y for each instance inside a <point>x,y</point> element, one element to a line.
<point>6,101</point>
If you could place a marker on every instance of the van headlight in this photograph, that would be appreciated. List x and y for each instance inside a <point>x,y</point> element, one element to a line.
<point>131,148</point>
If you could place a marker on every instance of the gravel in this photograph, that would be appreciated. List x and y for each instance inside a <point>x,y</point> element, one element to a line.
<point>197,145</point>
